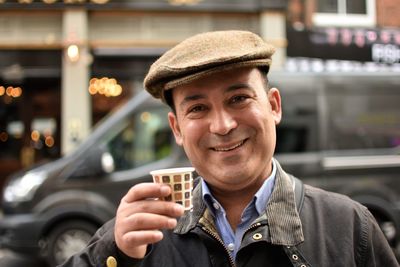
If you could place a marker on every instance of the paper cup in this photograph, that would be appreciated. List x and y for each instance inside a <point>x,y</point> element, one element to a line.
<point>181,182</point>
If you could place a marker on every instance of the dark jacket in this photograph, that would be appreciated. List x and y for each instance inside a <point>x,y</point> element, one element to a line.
<point>325,229</point>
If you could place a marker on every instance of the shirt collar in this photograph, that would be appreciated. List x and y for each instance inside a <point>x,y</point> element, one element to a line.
<point>260,198</point>
<point>281,207</point>
<point>263,194</point>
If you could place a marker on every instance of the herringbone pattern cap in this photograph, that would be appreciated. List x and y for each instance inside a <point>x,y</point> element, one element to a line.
<point>206,53</point>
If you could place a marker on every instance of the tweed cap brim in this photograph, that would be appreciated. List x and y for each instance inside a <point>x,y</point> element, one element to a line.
<point>205,54</point>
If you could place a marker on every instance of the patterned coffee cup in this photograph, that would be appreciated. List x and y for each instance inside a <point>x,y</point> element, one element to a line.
<point>181,182</point>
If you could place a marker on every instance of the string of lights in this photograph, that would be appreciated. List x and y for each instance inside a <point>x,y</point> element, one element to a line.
<point>11,91</point>
<point>105,86</point>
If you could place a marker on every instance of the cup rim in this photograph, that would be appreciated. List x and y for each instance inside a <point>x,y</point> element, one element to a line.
<point>172,170</point>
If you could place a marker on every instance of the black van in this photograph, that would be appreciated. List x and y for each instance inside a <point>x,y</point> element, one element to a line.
<point>340,132</point>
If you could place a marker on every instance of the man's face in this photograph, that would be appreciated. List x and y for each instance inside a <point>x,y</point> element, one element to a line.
<point>226,125</point>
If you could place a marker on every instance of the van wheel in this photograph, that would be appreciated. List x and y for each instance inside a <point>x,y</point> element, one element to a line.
<point>389,229</point>
<point>67,239</point>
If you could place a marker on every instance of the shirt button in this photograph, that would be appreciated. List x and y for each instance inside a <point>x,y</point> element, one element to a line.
<point>111,262</point>
<point>231,247</point>
<point>216,205</point>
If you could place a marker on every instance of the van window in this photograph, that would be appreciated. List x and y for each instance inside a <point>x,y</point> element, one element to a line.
<point>298,131</point>
<point>363,115</point>
<point>145,138</point>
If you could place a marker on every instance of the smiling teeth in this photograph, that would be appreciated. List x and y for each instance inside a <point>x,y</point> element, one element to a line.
<point>229,148</point>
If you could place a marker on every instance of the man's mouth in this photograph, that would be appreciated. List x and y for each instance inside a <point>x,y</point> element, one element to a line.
<point>229,148</point>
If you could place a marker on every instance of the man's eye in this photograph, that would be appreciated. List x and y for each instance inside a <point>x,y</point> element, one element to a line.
<point>238,98</point>
<point>196,109</point>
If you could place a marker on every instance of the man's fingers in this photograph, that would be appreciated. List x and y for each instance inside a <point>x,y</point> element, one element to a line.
<point>146,221</point>
<point>134,244</point>
<point>141,215</point>
<point>139,238</point>
<point>145,191</point>
<point>152,206</point>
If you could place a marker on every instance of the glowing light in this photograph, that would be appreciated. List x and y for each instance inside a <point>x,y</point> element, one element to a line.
<point>183,2</point>
<point>9,90</point>
<point>16,92</point>
<point>73,53</point>
<point>49,141</point>
<point>145,117</point>
<point>3,137</point>
<point>35,135</point>
<point>105,86</point>
<point>100,2</point>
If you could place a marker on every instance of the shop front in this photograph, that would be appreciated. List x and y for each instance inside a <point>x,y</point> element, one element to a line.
<point>64,65</point>
<point>29,108</point>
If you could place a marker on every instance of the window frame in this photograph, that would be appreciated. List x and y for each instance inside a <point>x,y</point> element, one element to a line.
<point>346,19</point>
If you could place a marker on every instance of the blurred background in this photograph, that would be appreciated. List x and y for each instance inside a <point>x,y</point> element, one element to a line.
<point>64,65</point>
<point>50,51</point>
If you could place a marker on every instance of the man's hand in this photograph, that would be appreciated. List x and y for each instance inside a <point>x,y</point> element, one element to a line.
<point>140,216</point>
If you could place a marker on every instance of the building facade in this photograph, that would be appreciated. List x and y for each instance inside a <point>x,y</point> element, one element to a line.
<point>359,35</point>
<point>65,64</point>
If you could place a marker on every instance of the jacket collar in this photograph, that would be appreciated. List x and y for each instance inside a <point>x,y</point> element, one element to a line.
<point>281,214</point>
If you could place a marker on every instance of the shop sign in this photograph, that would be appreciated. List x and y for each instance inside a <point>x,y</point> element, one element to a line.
<point>364,45</point>
<point>386,53</point>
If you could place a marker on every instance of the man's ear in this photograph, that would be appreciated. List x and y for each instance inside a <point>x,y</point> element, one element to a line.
<point>173,123</point>
<point>274,98</point>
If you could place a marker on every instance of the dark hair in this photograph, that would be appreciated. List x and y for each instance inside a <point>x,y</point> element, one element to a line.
<point>170,101</point>
<point>264,75</point>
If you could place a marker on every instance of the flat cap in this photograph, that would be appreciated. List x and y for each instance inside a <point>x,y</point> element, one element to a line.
<point>204,54</point>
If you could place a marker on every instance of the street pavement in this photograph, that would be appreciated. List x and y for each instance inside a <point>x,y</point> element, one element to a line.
<point>11,259</point>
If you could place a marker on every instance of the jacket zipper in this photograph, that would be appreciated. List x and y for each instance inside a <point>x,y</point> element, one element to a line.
<point>254,225</point>
<point>217,238</point>
<point>231,261</point>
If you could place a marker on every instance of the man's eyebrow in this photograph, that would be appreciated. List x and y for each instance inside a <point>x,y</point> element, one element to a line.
<point>190,98</point>
<point>239,86</point>
<point>230,88</point>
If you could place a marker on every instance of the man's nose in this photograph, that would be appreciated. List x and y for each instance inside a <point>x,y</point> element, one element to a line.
<point>222,122</point>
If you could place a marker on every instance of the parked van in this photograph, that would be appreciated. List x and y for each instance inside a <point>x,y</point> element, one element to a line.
<point>340,132</point>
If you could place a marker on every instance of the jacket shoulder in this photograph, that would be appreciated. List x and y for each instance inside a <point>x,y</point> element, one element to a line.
<point>335,222</point>
<point>320,198</point>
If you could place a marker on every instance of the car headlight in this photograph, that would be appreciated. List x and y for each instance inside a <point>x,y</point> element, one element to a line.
<point>23,188</point>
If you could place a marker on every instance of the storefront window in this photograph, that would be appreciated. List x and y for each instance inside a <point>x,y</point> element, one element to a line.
<point>29,124</point>
<point>11,132</point>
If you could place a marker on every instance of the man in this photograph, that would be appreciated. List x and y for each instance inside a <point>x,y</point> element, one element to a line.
<point>247,210</point>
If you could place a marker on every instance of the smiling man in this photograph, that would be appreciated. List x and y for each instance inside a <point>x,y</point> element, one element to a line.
<point>226,123</point>
<point>246,210</point>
